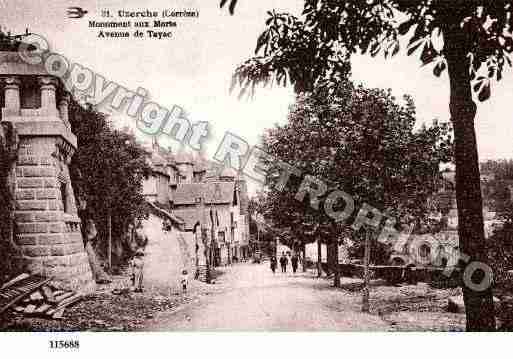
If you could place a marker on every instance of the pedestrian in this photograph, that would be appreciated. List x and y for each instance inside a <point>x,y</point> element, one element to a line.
<point>136,267</point>
<point>294,261</point>
<point>283,262</point>
<point>184,280</point>
<point>273,264</point>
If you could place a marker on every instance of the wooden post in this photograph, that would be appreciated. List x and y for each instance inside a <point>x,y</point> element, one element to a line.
<point>319,258</point>
<point>366,274</point>
<point>199,202</point>
<point>212,238</point>
<point>207,254</point>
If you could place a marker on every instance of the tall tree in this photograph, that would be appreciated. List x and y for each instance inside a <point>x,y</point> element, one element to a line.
<point>107,172</point>
<point>476,43</point>
<point>360,141</point>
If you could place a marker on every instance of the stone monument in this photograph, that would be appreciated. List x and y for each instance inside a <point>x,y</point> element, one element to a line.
<point>47,227</point>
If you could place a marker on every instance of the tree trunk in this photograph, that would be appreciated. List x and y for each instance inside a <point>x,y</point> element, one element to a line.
<point>304,257</point>
<point>319,258</point>
<point>336,269</point>
<point>333,262</point>
<point>98,273</point>
<point>109,240</point>
<point>366,274</point>
<point>478,304</point>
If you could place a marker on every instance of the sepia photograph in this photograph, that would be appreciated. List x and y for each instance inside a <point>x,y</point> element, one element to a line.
<point>294,166</point>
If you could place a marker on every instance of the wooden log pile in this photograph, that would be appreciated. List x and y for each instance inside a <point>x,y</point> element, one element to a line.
<point>38,300</point>
<point>47,302</point>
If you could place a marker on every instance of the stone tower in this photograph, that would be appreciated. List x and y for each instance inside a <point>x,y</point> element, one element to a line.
<point>47,227</point>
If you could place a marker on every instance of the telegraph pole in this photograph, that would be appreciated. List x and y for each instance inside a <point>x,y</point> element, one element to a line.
<point>204,239</point>
<point>197,234</point>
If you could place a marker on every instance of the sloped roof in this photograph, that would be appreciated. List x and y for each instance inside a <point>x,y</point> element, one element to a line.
<point>187,193</point>
<point>191,216</point>
<point>188,215</point>
<point>163,213</point>
<point>228,172</point>
<point>184,157</point>
<point>201,163</point>
<point>157,159</point>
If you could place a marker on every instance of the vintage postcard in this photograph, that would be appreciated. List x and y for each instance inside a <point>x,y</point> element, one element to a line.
<point>255,166</point>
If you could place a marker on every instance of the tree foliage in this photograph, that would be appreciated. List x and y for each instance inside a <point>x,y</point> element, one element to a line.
<point>497,193</point>
<point>316,48</point>
<point>9,265</point>
<point>358,140</point>
<point>497,190</point>
<point>470,39</point>
<point>107,172</point>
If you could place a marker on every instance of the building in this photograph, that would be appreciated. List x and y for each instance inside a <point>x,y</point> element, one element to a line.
<point>219,202</point>
<point>47,227</point>
<point>196,191</point>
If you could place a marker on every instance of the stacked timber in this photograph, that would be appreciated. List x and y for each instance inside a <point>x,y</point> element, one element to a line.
<point>34,296</point>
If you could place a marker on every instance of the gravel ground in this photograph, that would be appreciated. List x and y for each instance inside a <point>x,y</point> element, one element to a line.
<point>416,308</point>
<point>103,311</point>
<point>248,297</point>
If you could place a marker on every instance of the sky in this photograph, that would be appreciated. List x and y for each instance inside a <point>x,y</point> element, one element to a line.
<point>193,70</point>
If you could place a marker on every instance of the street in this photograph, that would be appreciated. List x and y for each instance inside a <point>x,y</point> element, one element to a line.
<point>249,297</point>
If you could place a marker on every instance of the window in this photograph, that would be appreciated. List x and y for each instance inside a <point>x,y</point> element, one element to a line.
<point>424,251</point>
<point>30,94</point>
<point>198,177</point>
<point>64,196</point>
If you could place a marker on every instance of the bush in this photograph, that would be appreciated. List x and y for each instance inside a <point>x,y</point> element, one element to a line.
<point>500,252</point>
<point>9,254</point>
<point>380,252</point>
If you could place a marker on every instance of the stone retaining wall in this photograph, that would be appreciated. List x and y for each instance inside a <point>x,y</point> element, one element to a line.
<point>47,226</point>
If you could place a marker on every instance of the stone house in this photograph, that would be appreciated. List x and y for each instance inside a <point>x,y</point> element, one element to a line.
<point>157,190</point>
<point>181,182</point>
<point>221,211</point>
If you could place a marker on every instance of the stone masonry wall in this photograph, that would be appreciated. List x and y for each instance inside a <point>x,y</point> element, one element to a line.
<point>49,238</point>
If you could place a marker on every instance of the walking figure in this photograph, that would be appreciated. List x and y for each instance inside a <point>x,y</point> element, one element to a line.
<point>283,262</point>
<point>273,264</point>
<point>137,266</point>
<point>184,280</point>
<point>294,261</point>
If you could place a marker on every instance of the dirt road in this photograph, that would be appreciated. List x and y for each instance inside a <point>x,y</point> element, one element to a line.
<point>250,297</point>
